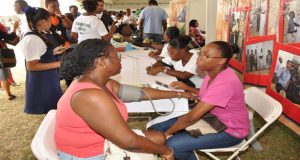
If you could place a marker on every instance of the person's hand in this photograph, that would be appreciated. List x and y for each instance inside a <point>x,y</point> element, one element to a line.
<point>113,28</point>
<point>57,12</point>
<point>16,25</point>
<point>59,50</point>
<point>179,85</point>
<point>189,95</point>
<point>168,155</point>
<point>153,54</point>
<point>154,71</point>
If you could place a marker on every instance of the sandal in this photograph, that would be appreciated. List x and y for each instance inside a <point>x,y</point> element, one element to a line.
<point>11,97</point>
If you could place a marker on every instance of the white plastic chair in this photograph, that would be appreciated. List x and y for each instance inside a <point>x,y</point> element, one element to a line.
<point>43,144</point>
<point>267,107</point>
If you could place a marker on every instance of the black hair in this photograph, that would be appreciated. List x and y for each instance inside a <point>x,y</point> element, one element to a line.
<point>225,48</point>
<point>193,23</point>
<point>100,1</point>
<point>180,42</point>
<point>153,2</point>
<point>173,32</point>
<point>90,5</point>
<point>22,3</point>
<point>35,15</point>
<point>73,6</point>
<point>122,26</point>
<point>47,2</point>
<point>82,58</point>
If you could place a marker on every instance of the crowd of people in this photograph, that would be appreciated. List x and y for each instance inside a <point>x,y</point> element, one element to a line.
<point>287,79</point>
<point>76,47</point>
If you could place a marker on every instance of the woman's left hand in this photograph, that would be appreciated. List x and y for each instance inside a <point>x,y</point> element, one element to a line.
<point>189,95</point>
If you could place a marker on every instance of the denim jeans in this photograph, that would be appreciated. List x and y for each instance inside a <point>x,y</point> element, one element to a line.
<point>155,37</point>
<point>66,156</point>
<point>183,144</point>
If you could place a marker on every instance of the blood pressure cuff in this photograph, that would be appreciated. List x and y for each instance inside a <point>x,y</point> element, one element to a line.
<point>129,93</point>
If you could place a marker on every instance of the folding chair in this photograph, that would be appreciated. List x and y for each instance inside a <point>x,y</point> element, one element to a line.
<point>43,144</point>
<point>268,108</point>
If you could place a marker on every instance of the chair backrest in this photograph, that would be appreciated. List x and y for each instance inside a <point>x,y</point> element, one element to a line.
<point>43,144</point>
<point>267,107</point>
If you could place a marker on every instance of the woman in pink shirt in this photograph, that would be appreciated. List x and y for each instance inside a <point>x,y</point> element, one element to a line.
<point>91,111</point>
<point>222,95</point>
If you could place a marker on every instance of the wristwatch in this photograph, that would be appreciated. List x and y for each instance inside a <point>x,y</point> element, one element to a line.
<point>179,95</point>
<point>165,70</point>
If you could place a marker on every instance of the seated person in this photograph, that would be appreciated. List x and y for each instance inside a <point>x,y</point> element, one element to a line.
<point>93,104</point>
<point>222,95</point>
<point>182,60</point>
<point>196,34</point>
<point>125,31</point>
<point>171,33</point>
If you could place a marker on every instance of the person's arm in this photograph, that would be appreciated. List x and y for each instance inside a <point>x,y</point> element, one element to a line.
<point>183,86</point>
<point>154,93</point>
<point>171,72</point>
<point>66,22</point>
<point>112,30</point>
<point>74,35</point>
<point>141,27</point>
<point>36,65</point>
<point>100,113</point>
<point>164,25</point>
<point>190,118</point>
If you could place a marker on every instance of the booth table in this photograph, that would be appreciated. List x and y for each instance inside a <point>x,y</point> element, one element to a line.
<point>134,72</point>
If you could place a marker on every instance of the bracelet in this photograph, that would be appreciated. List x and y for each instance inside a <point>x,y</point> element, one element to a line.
<point>165,70</point>
<point>179,95</point>
<point>62,17</point>
<point>168,156</point>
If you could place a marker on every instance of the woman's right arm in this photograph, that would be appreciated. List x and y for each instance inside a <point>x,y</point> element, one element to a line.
<point>103,116</point>
<point>36,65</point>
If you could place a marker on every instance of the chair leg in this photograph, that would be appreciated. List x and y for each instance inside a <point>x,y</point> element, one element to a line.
<point>212,156</point>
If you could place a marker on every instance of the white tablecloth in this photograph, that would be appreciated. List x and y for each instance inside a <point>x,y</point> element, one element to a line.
<point>134,72</point>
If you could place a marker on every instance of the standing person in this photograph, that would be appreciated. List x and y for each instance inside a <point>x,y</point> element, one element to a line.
<point>94,103</point>
<point>252,62</point>
<point>4,72</point>
<point>255,59</point>
<point>291,37</point>
<point>103,16</point>
<point>88,26</point>
<point>153,22</point>
<point>21,8</point>
<point>269,59</point>
<point>42,82</point>
<point>248,60</point>
<point>196,34</point>
<point>60,24</point>
<point>74,11</point>
<point>222,95</point>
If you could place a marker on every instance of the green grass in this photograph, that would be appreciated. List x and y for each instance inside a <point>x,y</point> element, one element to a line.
<point>17,130</point>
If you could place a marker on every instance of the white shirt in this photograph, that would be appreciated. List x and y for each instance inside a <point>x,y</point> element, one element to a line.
<point>130,19</point>
<point>164,51</point>
<point>32,47</point>
<point>88,27</point>
<point>190,67</point>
